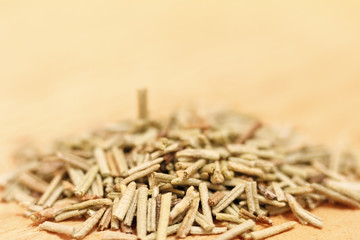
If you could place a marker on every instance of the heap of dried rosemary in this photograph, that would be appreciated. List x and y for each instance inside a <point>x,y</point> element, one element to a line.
<point>218,174</point>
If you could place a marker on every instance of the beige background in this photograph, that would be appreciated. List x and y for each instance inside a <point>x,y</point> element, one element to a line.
<point>69,66</point>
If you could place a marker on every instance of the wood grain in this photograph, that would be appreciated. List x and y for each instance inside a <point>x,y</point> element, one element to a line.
<point>70,66</point>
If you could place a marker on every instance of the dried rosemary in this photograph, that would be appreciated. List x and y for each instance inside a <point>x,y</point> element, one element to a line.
<point>178,175</point>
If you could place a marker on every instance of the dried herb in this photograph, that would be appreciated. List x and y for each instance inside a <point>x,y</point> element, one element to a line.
<point>172,173</point>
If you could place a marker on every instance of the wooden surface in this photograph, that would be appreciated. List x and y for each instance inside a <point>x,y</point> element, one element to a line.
<point>70,66</point>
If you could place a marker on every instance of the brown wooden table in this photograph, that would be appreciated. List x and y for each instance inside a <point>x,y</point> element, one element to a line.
<point>70,66</point>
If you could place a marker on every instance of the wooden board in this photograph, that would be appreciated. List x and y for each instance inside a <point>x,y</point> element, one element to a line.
<point>67,67</point>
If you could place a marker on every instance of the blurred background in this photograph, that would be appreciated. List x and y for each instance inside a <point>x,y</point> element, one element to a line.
<point>69,66</point>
